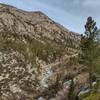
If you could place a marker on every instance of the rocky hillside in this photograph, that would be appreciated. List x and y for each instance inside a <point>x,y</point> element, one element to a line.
<point>31,44</point>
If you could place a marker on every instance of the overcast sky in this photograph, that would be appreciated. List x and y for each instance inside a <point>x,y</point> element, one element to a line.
<point>70,13</point>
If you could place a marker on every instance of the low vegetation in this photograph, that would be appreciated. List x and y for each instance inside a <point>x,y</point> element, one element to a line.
<point>93,96</point>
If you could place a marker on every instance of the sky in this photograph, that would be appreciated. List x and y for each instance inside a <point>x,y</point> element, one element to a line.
<point>72,14</point>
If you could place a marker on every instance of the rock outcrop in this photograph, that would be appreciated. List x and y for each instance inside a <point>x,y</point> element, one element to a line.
<point>29,42</point>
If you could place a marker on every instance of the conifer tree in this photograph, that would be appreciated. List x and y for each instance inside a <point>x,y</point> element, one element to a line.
<point>90,48</point>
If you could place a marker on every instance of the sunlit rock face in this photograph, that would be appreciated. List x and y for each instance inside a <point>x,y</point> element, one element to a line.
<point>31,44</point>
<point>16,76</point>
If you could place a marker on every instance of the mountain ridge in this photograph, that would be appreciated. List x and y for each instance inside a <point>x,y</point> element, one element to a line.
<point>29,41</point>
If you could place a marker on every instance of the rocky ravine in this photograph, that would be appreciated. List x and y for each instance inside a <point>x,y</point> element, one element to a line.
<point>29,42</point>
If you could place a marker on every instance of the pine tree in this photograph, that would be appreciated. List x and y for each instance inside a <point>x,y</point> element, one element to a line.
<point>90,48</point>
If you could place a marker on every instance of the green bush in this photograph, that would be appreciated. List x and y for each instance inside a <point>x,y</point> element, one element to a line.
<point>93,96</point>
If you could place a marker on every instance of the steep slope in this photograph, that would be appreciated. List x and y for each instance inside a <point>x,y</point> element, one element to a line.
<point>29,42</point>
<point>35,25</point>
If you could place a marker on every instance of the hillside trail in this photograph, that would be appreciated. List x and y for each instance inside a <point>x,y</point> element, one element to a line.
<point>61,60</point>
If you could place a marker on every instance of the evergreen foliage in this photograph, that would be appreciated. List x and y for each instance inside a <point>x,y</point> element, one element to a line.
<point>90,48</point>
